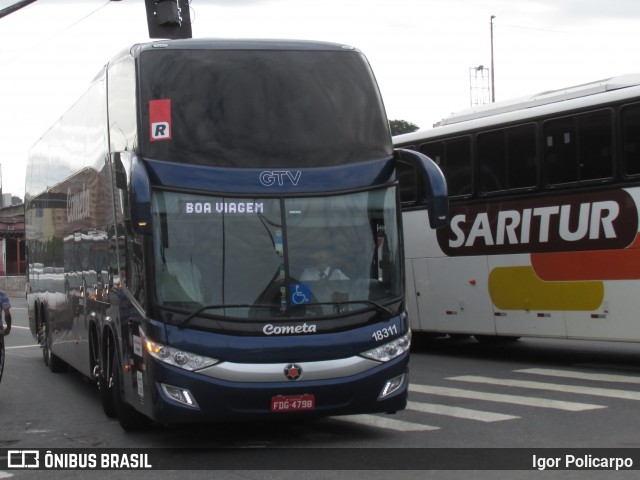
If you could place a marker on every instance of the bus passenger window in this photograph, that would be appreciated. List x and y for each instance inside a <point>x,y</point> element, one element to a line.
<point>458,166</point>
<point>560,151</point>
<point>522,156</point>
<point>408,178</point>
<point>492,161</point>
<point>435,151</point>
<point>454,158</point>
<point>631,139</point>
<point>579,148</point>
<point>595,147</point>
<point>507,158</point>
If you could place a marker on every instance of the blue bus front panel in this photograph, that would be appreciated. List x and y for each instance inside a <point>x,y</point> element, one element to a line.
<point>221,401</point>
<point>305,375</point>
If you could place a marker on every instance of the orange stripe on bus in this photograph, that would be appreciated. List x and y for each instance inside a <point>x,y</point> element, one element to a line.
<point>519,288</point>
<point>589,265</point>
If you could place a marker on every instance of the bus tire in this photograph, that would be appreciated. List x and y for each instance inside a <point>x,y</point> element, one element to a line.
<point>130,419</point>
<point>102,376</point>
<point>55,364</point>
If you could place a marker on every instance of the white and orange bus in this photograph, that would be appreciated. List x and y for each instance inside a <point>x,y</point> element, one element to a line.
<point>544,198</point>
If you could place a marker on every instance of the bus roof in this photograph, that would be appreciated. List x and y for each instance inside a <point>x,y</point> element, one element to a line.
<point>543,98</point>
<point>240,44</point>
<point>230,44</point>
<point>523,108</point>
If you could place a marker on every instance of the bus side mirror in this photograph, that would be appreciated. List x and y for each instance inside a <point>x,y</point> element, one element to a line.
<point>140,196</point>
<point>433,183</point>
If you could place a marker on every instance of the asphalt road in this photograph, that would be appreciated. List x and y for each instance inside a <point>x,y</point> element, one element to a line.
<point>532,394</point>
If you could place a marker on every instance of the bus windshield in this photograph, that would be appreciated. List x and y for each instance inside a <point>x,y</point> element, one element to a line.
<point>260,108</point>
<point>305,255</point>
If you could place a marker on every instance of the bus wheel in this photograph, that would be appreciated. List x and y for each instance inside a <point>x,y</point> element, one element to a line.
<point>494,339</point>
<point>130,419</point>
<point>55,364</point>
<point>103,378</point>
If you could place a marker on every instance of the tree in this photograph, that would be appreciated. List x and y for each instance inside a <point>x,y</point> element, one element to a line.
<point>402,126</point>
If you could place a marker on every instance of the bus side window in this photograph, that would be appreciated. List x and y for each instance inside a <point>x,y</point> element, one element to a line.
<point>595,147</point>
<point>579,148</point>
<point>453,156</point>
<point>492,161</point>
<point>631,139</point>
<point>523,156</point>
<point>507,158</point>
<point>454,159</point>
<point>408,178</point>
<point>435,151</point>
<point>560,151</point>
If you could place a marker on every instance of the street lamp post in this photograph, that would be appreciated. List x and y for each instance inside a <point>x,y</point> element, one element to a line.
<point>493,85</point>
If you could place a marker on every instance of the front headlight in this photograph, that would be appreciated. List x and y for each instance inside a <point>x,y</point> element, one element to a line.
<point>178,358</point>
<point>390,350</point>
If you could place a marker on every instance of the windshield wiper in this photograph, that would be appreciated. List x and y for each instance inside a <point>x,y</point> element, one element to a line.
<point>198,311</point>
<point>378,307</point>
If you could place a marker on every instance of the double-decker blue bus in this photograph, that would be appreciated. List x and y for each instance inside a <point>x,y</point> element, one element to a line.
<point>176,215</point>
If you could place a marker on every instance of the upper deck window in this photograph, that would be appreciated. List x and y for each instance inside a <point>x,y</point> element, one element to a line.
<point>262,108</point>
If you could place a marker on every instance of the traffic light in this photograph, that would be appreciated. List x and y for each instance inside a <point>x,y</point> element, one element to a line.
<point>168,18</point>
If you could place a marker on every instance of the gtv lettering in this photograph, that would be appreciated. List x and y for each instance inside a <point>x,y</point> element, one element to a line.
<point>515,228</point>
<point>277,177</point>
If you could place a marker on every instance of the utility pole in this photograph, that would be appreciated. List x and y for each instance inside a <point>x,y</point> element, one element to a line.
<point>493,68</point>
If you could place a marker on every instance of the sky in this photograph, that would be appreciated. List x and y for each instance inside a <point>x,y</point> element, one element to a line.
<point>423,52</point>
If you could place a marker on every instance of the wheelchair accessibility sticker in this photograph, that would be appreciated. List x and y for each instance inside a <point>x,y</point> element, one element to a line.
<point>300,294</point>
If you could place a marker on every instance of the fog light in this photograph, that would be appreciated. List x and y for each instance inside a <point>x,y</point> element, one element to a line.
<point>392,385</point>
<point>181,395</point>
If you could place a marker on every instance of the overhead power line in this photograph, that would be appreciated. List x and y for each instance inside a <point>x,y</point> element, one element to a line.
<point>68,27</point>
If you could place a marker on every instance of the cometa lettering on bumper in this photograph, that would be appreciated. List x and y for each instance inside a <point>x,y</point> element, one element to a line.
<point>270,329</point>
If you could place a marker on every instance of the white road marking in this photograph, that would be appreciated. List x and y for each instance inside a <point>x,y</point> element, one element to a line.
<point>387,423</point>
<point>598,377</point>
<point>503,398</point>
<point>458,412</point>
<point>600,392</point>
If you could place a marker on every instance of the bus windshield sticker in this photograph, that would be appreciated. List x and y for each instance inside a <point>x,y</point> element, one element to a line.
<point>300,294</point>
<point>160,119</point>
<point>207,208</point>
